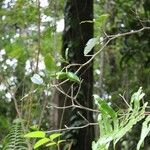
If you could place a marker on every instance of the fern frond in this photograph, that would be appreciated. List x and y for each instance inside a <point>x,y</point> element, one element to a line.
<point>15,140</point>
<point>113,128</point>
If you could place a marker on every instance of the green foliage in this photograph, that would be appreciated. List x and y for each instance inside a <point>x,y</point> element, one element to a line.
<point>4,125</point>
<point>15,140</point>
<point>16,50</point>
<point>99,23</point>
<point>68,75</point>
<point>113,125</point>
<point>124,64</point>
<point>35,134</point>
<point>90,45</point>
<point>145,131</point>
<point>101,20</point>
<point>43,139</point>
<point>73,77</point>
<point>49,62</point>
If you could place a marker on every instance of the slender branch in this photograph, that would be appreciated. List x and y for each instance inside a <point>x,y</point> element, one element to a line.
<point>110,38</point>
<point>75,106</point>
<point>124,100</point>
<point>72,128</point>
<point>39,34</point>
<point>25,96</point>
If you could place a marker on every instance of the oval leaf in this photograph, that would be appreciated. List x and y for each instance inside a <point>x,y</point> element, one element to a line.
<point>35,134</point>
<point>73,77</point>
<point>61,75</point>
<point>60,141</point>
<point>41,142</point>
<point>54,136</point>
<point>36,79</point>
<point>105,107</point>
<point>49,62</point>
<point>90,45</point>
<point>70,75</point>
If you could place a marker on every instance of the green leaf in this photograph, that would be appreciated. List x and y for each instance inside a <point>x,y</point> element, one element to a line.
<point>34,127</point>
<point>144,132</point>
<point>61,75</point>
<point>60,141</point>
<point>73,77</point>
<point>36,79</point>
<point>35,134</point>
<point>107,122</point>
<point>49,62</point>
<point>135,99</point>
<point>54,136</point>
<point>90,45</point>
<point>101,20</point>
<point>112,128</point>
<point>105,107</point>
<point>16,50</point>
<point>127,127</point>
<point>70,75</point>
<point>41,142</point>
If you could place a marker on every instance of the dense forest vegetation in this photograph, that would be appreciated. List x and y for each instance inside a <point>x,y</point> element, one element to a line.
<point>75,74</point>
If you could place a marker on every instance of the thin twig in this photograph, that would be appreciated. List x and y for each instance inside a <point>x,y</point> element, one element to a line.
<point>39,35</point>
<point>72,128</point>
<point>76,106</point>
<point>110,38</point>
<point>124,100</point>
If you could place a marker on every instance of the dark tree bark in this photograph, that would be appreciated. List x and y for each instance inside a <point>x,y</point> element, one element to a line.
<point>75,37</point>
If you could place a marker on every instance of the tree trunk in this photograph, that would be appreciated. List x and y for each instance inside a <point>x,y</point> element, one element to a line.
<point>75,37</point>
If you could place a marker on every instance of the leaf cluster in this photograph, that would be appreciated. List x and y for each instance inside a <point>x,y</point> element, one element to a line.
<point>113,125</point>
<point>43,139</point>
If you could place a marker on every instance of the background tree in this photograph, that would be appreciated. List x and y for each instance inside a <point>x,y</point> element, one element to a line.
<point>75,37</point>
